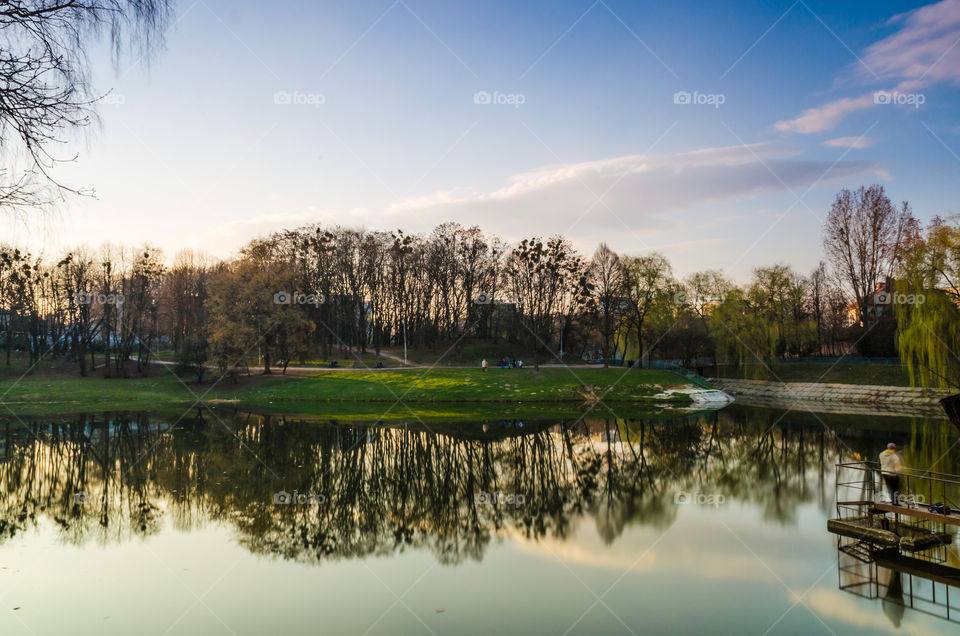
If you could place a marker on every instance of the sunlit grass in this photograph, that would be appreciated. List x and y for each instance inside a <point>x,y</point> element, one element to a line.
<point>393,391</point>
<point>497,385</point>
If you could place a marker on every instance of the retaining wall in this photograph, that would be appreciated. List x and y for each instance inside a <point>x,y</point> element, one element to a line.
<point>889,396</point>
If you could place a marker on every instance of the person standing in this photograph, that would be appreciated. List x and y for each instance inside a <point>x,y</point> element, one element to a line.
<point>890,468</point>
<point>483,365</point>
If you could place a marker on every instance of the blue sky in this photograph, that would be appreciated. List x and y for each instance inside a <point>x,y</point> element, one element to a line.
<point>383,129</point>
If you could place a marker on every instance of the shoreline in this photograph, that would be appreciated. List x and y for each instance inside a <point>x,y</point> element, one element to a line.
<point>856,397</point>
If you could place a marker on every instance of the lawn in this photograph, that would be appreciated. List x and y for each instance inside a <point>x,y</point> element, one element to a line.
<point>468,385</point>
<point>842,373</point>
<point>435,394</point>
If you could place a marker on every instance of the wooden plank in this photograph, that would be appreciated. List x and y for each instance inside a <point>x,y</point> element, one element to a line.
<point>919,514</point>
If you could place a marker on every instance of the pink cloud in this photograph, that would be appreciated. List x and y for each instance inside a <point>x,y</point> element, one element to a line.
<point>925,51</point>
<point>849,142</point>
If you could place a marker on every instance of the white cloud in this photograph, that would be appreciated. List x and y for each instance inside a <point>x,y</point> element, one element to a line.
<point>849,142</point>
<point>837,605</point>
<point>640,194</point>
<point>924,51</point>
<point>926,47</point>
<point>825,117</point>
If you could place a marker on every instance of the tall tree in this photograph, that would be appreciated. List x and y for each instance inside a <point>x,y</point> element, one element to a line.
<point>864,235</point>
<point>607,277</point>
<point>646,278</point>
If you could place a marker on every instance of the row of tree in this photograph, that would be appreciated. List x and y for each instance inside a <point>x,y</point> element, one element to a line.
<point>301,293</point>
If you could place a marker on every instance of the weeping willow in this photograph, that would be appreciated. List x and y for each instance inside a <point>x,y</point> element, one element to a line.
<point>929,339</point>
<point>744,336</point>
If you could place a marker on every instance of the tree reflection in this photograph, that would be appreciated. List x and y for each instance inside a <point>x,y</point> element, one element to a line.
<point>380,489</point>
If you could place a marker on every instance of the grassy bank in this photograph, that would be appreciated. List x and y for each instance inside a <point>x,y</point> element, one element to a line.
<point>828,372</point>
<point>437,393</point>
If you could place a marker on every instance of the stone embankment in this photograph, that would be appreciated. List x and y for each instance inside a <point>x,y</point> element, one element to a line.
<point>898,398</point>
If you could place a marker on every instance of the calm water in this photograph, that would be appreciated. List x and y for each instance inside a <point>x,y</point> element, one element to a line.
<point>715,523</point>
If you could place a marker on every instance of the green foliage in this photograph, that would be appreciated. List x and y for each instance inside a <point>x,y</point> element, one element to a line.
<point>929,331</point>
<point>192,357</point>
<point>929,339</point>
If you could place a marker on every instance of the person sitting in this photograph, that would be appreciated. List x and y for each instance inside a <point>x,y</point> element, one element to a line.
<point>890,468</point>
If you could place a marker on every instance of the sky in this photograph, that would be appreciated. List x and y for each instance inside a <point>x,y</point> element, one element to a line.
<point>715,133</point>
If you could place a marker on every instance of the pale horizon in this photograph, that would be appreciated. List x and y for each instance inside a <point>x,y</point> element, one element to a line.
<point>587,140</point>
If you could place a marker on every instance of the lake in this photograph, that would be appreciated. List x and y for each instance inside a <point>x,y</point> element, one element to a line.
<point>238,523</point>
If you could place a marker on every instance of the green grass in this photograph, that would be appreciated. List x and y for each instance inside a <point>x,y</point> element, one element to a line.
<point>843,373</point>
<point>438,393</point>
<point>467,385</point>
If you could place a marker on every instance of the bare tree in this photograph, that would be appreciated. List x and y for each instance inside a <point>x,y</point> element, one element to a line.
<point>607,278</point>
<point>863,236</point>
<point>45,89</point>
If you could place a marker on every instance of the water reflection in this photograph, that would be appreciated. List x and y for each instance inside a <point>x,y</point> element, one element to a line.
<point>380,489</point>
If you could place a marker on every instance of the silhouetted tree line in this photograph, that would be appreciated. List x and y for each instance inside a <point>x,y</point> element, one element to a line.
<point>313,291</point>
<point>310,292</point>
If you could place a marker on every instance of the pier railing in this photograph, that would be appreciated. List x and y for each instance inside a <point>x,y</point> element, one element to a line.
<point>860,483</point>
